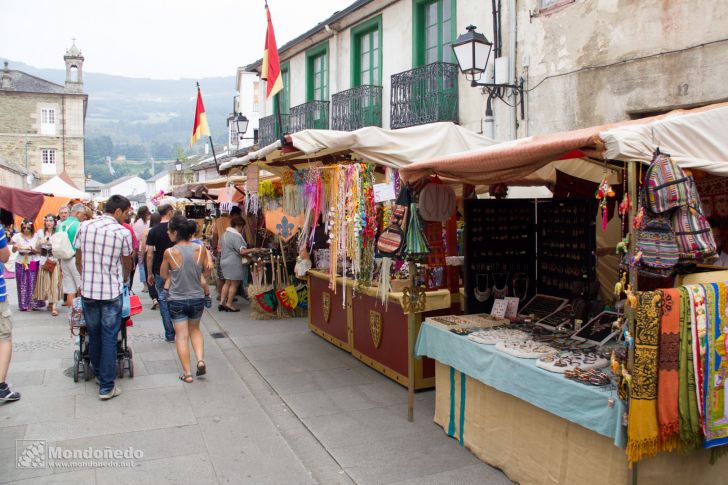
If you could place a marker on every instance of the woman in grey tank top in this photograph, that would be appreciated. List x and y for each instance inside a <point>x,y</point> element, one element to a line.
<point>184,265</point>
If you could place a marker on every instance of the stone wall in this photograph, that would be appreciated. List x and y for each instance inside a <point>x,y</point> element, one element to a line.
<point>590,63</point>
<point>20,122</point>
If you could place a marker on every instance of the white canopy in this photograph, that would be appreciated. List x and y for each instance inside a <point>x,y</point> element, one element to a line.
<point>694,140</point>
<point>392,148</point>
<point>60,187</point>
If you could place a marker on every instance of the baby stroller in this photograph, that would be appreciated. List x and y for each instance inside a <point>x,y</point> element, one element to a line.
<point>81,359</point>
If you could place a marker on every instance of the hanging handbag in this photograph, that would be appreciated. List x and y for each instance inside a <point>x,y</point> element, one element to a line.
<point>436,202</point>
<point>694,236</point>
<point>50,264</point>
<point>135,304</point>
<point>667,184</point>
<point>391,240</point>
<point>125,303</point>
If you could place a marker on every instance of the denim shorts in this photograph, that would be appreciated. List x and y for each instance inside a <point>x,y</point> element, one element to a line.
<point>182,310</point>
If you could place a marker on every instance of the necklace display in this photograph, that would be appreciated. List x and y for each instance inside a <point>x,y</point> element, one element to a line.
<point>482,295</point>
<point>520,286</point>
<point>570,360</point>
<point>525,349</point>
<point>503,291</point>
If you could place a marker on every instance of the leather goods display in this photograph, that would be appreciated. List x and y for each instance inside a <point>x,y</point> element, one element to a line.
<point>667,184</point>
<point>437,202</point>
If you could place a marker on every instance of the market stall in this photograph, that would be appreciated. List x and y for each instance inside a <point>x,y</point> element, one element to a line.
<point>619,378</point>
<point>345,185</point>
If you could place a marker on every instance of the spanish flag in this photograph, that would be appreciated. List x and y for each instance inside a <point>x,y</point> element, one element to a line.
<point>200,127</point>
<point>271,69</point>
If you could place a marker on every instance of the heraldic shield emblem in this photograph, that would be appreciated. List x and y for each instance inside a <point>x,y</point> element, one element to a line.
<point>326,300</point>
<point>375,327</point>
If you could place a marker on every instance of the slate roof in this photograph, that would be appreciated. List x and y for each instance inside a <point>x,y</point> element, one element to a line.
<point>118,181</point>
<point>27,83</point>
<point>158,176</point>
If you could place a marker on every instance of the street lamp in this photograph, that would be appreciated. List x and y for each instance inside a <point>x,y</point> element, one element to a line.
<point>472,51</point>
<point>240,123</point>
<point>178,165</point>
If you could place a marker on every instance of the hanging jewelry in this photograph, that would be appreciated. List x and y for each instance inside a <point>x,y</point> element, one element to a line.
<point>481,295</point>
<point>520,279</point>
<point>500,292</point>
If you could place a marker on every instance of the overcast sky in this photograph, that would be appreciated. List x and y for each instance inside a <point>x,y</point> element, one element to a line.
<point>164,39</point>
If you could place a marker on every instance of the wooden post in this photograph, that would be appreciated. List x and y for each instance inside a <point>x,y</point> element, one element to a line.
<point>411,323</point>
<point>634,196</point>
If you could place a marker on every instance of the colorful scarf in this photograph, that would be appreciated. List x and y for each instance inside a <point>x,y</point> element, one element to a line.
<point>716,368</point>
<point>690,438</point>
<point>642,429</point>
<point>667,389</point>
<point>699,320</point>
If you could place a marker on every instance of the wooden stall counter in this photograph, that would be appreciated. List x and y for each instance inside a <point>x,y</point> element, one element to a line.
<point>374,333</point>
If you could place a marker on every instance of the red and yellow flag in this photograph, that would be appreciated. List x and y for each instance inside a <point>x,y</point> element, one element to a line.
<point>200,128</point>
<point>271,69</point>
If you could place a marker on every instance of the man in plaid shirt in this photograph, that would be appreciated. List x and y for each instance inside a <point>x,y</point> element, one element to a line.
<point>103,257</point>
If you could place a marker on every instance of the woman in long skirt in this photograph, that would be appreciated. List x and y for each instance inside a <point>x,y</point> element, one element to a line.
<point>48,286</point>
<point>26,266</point>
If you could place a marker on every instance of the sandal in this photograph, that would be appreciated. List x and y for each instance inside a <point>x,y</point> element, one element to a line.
<point>54,312</point>
<point>201,369</point>
<point>155,304</point>
<point>228,309</point>
<point>186,378</point>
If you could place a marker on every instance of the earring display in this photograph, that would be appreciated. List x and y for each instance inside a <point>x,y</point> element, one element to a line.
<point>557,319</point>
<point>498,244</point>
<point>566,245</point>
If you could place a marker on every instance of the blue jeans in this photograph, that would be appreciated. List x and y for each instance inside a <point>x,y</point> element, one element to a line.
<point>103,322</point>
<point>142,272</point>
<point>164,308</point>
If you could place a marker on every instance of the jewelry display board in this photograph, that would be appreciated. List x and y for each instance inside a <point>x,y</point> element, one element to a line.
<point>541,306</point>
<point>557,319</point>
<point>566,246</point>
<point>599,329</point>
<point>499,248</point>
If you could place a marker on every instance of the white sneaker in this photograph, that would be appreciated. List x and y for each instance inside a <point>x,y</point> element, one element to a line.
<point>112,394</point>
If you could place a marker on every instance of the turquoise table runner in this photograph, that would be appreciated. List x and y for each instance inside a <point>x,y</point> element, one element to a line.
<point>578,403</point>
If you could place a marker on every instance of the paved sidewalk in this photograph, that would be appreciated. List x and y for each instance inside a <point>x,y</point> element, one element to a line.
<point>279,405</point>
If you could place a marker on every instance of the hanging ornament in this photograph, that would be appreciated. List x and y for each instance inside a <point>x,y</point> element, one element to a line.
<point>603,193</point>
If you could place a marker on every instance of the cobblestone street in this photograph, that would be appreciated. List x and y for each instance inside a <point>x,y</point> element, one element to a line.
<point>279,405</point>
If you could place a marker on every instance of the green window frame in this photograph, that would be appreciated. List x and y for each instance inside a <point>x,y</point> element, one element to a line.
<point>317,72</point>
<point>366,53</point>
<point>284,95</point>
<point>433,42</point>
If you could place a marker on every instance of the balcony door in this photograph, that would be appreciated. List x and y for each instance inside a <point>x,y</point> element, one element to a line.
<point>434,22</point>
<point>367,71</point>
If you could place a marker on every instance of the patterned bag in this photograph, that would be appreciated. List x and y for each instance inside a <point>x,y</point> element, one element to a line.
<point>694,236</point>
<point>667,185</point>
<point>656,248</point>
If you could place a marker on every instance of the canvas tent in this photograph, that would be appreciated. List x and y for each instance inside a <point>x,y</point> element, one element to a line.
<point>61,186</point>
<point>389,148</point>
<point>694,138</point>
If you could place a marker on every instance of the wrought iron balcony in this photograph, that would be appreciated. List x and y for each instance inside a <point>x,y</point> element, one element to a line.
<point>269,131</point>
<point>311,115</point>
<point>356,108</point>
<point>425,95</point>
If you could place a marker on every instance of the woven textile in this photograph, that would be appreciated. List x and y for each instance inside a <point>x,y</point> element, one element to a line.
<point>699,319</point>
<point>694,236</point>
<point>690,438</point>
<point>667,185</point>
<point>643,429</point>
<point>669,356</point>
<point>716,368</point>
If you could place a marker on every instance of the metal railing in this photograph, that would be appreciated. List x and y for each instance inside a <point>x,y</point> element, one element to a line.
<point>425,95</point>
<point>311,115</point>
<point>356,108</point>
<point>269,131</point>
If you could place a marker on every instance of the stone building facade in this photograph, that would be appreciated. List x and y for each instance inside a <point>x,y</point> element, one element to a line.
<point>42,124</point>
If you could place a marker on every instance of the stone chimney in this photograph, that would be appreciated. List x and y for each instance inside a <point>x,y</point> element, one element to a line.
<point>6,82</point>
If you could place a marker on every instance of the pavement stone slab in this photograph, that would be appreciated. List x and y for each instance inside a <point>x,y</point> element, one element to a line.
<point>196,468</point>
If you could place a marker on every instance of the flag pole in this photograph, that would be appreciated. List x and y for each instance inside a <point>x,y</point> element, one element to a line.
<point>212,146</point>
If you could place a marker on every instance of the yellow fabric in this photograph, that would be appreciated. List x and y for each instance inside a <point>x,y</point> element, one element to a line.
<point>534,447</point>
<point>202,129</point>
<point>643,433</point>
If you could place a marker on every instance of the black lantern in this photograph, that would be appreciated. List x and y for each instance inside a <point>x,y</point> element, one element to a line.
<point>178,165</point>
<point>239,123</point>
<point>472,51</point>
